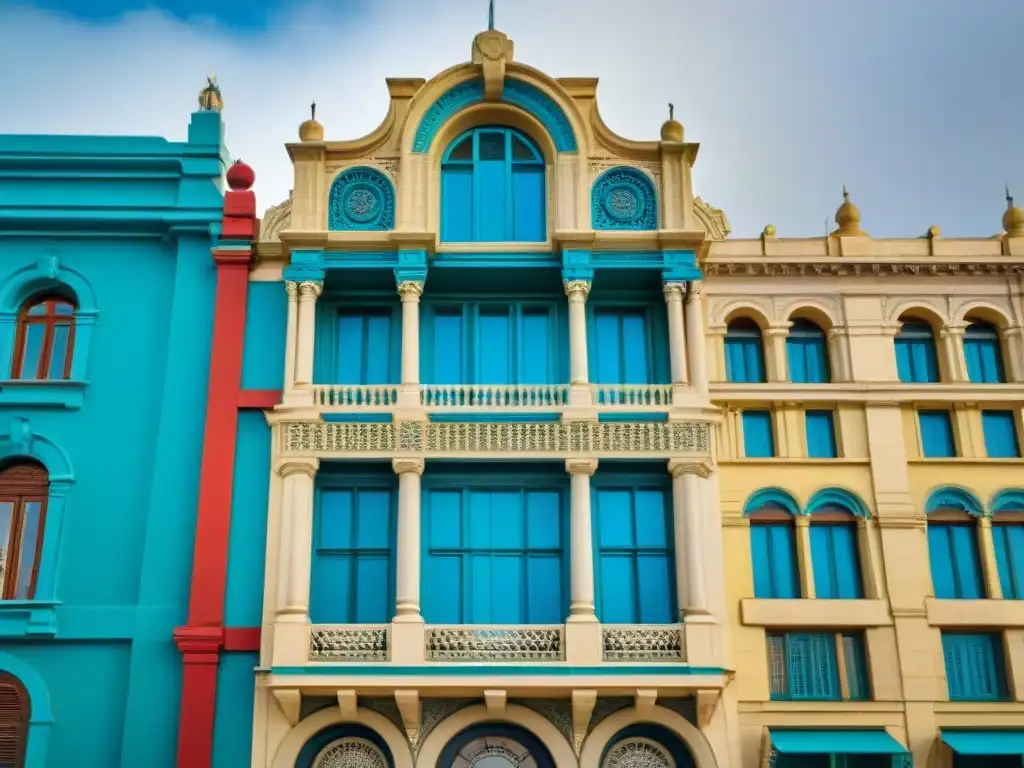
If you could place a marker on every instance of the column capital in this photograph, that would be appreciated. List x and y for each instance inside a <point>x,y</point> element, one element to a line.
<point>695,289</point>
<point>952,330</point>
<point>310,289</point>
<point>674,289</point>
<point>581,466</point>
<point>680,467</point>
<point>298,467</point>
<point>985,521</point>
<point>1012,331</point>
<point>410,290</point>
<point>802,521</point>
<point>777,329</point>
<point>405,466</point>
<point>836,332</point>
<point>575,288</point>
<point>292,289</point>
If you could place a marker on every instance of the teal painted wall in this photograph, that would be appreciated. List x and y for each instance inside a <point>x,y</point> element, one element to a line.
<point>128,222</point>
<point>266,319</point>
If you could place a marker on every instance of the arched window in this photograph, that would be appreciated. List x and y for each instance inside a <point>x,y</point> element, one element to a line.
<point>23,490</point>
<point>1008,538</point>
<point>807,351</point>
<point>45,339</point>
<point>773,545</point>
<point>916,358</point>
<point>495,745</point>
<point>492,188</point>
<point>14,717</point>
<point>834,554</point>
<point>744,352</point>
<point>984,357</point>
<point>953,550</point>
<point>646,745</point>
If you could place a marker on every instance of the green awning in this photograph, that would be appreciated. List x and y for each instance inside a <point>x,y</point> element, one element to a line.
<point>836,742</point>
<point>985,742</point>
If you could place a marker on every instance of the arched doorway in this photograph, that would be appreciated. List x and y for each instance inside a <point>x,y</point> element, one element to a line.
<point>495,745</point>
<point>646,745</point>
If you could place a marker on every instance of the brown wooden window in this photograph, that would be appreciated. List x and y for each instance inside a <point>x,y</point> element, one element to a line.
<point>45,339</point>
<point>23,491</point>
<point>14,717</point>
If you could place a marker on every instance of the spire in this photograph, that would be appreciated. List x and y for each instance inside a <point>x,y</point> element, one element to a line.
<point>671,111</point>
<point>672,129</point>
<point>848,218</point>
<point>1013,218</point>
<point>311,130</point>
<point>210,99</point>
<point>490,16</point>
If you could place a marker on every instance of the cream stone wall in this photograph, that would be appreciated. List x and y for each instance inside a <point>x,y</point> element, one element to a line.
<point>856,289</point>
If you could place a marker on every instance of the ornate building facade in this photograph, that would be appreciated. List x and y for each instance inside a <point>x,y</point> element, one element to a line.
<point>554,473</point>
<point>106,298</point>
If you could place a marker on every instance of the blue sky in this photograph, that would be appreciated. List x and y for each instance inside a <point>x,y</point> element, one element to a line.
<point>914,104</point>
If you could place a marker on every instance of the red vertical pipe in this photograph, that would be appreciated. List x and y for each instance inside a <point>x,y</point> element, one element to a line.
<point>202,640</point>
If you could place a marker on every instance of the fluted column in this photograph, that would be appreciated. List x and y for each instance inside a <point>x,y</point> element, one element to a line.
<point>309,291</point>
<point>954,359</point>
<point>291,331</point>
<point>676,330</point>
<point>691,589</point>
<point>581,544</point>
<point>695,346</point>
<point>577,292</point>
<point>989,564</point>
<point>407,554</point>
<point>295,537</point>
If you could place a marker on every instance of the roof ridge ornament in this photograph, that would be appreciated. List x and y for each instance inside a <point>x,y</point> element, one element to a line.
<point>492,49</point>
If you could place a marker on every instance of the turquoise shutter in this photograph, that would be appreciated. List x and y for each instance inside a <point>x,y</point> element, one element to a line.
<point>807,353</point>
<point>983,354</point>
<point>916,359</point>
<point>758,441</point>
<point>1009,545</point>
<point>821,435</point>
<point>800,665</point>
<point>1000,430</point>
<point>744,353</point>
<point>936,434</point>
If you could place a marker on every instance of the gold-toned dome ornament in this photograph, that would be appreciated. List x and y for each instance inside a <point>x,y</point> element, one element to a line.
<point>848,218</point>
<point>311,130</point>
<point>210,99</point>
<point>672,129</point>
<point>1013,218</point>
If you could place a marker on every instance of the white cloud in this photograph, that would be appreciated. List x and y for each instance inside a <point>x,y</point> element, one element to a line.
<point>912,104</point>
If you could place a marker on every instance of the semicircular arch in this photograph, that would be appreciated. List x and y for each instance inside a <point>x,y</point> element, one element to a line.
<point>744,309</point>
<point>46,275</point>
<point>296,739</point>
<point>985,311</point>
<point>816,312</point>
<point>921,311</point>
<point>773,498</point>
<point>1007,500</point>
<point>695,741</point>
<point>953,497</point>
<point>837,497</point>
<point>22,442</point>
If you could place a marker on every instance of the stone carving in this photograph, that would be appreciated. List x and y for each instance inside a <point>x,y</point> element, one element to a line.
<point>623,198</point>
<point>442,439</point>
<point>558,713</point>
<point>643,644</point>
<point>351,753</point>
<point>506,644</point>
<point>638,753</point>
<point>435,711</point>
<point>351,643</point>
<point>712,219</point>
<point>361,199</point>
<point>275,219</point>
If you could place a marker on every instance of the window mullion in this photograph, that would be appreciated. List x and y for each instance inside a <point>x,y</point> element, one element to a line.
<point>13,546</point>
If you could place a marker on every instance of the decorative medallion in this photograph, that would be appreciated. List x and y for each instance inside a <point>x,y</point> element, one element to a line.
<point>638,753</point>
<point>362,199</point>
<point>351,753</point>
<point>494,752</point>
<point>624,198</point>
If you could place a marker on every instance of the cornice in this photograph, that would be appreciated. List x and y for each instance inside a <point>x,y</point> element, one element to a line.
<point>841,267</point>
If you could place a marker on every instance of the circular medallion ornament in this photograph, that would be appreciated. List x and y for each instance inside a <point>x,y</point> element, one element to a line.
<point>623,198</point>
<point>351,753</point>
<point>639,753</point>
<point>361,198</point>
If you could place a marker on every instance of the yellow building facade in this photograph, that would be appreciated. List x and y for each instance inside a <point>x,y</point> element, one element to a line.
<point>835,422</point>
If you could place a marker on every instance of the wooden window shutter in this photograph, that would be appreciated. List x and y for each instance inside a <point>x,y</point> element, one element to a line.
<point>14,716</point>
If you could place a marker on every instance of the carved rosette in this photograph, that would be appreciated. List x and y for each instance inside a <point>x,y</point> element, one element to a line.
<point>361,198</point>
<point>624,198</point>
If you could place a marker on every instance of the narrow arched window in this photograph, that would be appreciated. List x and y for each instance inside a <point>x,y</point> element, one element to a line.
<point>916,358</point>
<point>45,339</point>
<point>492,188</point>
<point>984,357</point>
<point>773,552</point>
<point>14,717</point>
<point>807,351</point>
<point>954,555</point>
<point>744,352</point>
<point>23,491</point>
<point>835,557</point>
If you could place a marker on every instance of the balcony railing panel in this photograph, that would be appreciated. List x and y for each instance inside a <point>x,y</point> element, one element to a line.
<point>497,643</point>
<point>632,395</point>
<point>491,396</point>
<point>348,642</point>
<point>355,396</point>
<point>644,642</point>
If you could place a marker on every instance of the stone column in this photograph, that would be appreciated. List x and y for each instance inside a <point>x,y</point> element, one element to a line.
<point>989,564</point>
<point>695,347</point>
<point>803,555</point>
<point>309,291</point>
<point>676,330</point>
<point>691,590</point>
<point>1013,352</point>
<point>839,354</point>
<point>954,361</point>
<point>581,544</point>
<point>291,332</point>
<point>407,551</point>
<point>577,292</point>
<point>410,292</point>
<point>295,538</point>
<point>775,352</point>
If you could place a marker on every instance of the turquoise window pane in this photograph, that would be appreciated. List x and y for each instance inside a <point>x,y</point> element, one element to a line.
<point>1000,430</point>
<point>983,354</point>
<point>916,358</point>
<point>744,353</point>
<point>821,435</point>
<point>936,434</point>
<point>758,441</point>
<point>975,667</point>
<point>1009,545</point>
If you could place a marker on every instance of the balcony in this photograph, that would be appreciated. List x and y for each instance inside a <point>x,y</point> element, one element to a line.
<point>469,398</point>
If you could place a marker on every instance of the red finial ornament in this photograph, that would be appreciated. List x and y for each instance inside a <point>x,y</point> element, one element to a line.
<point>240,176</point>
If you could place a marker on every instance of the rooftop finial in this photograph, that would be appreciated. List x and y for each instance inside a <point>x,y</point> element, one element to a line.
<point>846,193</point>
<point>671,111</point>
<point>1009,197</point>
<point>1013,217</point>
<point>490,16</point>
<point>210,99</point>
<point>312,111</point>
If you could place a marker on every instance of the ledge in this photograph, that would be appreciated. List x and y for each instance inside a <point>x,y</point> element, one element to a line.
<point>28,618</point>
<point>881,392</point>
<point>801,613</point>
<point>30,392</point>
<point>975,613</point>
